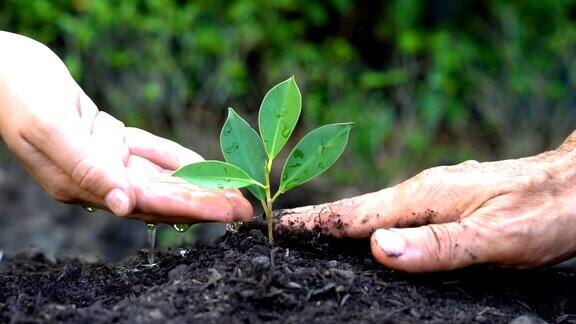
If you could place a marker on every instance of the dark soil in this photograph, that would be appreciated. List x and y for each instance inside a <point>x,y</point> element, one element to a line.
<point>241,279</point>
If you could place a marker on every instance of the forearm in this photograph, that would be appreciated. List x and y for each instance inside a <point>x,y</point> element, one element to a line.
<point>15,57</point>
<point>29,74</point>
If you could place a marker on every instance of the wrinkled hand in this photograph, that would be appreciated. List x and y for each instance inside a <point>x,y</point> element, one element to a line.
<point>518,213</point>
<point>81,155</point>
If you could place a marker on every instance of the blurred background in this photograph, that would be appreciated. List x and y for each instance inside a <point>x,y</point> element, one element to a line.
<point>427,82</point>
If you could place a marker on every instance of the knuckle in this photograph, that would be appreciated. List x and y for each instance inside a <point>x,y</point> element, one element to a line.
<point>462,167</point>
<point>469,163</point>
<point>431,173</point>
<point>424,181</point>
<point>440,242</point>
<point>466,165</point>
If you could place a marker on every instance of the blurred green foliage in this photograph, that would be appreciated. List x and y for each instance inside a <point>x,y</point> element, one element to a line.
<point>427,82</point>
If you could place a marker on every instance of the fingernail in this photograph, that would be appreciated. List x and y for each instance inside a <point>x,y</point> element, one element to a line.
<point>118,202</point>
<point>392,243</point>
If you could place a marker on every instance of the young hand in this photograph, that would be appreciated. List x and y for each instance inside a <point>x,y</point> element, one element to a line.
<point>81,155</point>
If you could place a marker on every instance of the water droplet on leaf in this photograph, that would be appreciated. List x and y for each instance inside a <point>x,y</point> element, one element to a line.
<point>298,154</point>
<point>232,148</point>
<point>285,132</point>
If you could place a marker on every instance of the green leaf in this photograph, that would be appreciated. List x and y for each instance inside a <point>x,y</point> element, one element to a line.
<point>242,147</point>
<point>278,115</point>
<point>215,175</point>
<point>314,154</point>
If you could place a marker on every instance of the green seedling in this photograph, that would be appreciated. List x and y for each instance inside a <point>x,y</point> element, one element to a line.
<point>249,156</point>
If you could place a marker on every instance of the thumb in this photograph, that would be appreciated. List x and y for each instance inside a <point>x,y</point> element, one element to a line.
<point>107,181</point>
<point>428,248</point>
<point>95,171</point>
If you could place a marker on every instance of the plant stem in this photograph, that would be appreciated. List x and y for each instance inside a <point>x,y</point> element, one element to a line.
<point>268,205</point>
<point>269,220</point>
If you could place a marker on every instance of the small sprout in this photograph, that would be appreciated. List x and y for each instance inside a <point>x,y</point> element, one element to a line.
<point>249,156</point>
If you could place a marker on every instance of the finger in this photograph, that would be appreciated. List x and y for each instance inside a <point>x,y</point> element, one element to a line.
<point>190,205</point>
<point>435,247</point>
<point>159,174</point>
<point>242,207</point>
<point>166,219</point>
<point>85,160</point>
<point>432,197</point>
<point>171,156</point>
<point>355,217</point>
<point>143,166</point>
<point>161,151</point>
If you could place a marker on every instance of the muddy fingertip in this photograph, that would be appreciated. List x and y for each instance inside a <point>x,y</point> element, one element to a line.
<point>388,247</point>
<point>242,208</point>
